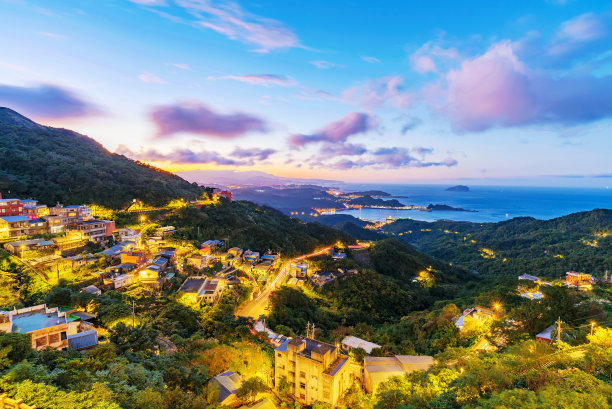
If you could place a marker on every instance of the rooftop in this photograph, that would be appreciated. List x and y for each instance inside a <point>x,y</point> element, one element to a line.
<point>12,219</point>
<point>355,342</point>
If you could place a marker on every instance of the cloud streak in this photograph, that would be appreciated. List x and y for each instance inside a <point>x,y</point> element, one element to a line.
<point>232,21</point>
<point>378,92</point>
<point>46,101</point>
<point>266,80</point>
<point>178,156</point>
<point>196,118</point>
<point>337,131</point>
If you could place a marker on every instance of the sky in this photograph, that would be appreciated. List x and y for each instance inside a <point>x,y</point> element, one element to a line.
<point>403,91</point>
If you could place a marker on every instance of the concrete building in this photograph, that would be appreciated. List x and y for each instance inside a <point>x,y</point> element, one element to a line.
<point>379,369</point>
<point>18,247</point>
<point>14,226</point>
<point>93,230</point>
<point>200,261</point>
<point>10,207</point>
<point>316,371</point>
<point>48,327</point>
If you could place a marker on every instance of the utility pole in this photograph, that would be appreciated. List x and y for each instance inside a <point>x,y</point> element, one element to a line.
<point>592,327</point>
<point>558,328</point>
<point>133,313</point>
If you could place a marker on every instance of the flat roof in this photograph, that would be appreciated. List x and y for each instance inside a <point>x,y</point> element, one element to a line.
<point>11,219</point>
<point>35,320</point>
<point>193,284</point>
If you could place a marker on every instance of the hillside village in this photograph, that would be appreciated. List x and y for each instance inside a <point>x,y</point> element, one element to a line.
<point>68,244</point>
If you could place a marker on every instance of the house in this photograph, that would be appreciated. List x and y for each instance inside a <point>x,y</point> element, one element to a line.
<point>531,295</point>
<point>118,276</point>
<point>91,289</point>
<point>48,327</point>
<point>338,256</point>
<point>200,262</point>
<point>161,263</point>
<point>547,335</point>
<point>37,227</point>
<point>55,223</point>
<point>228,383</point>
<point>133,235</point>
<point>191,288</point>
<point>300,270</point>
<point>165,231</point>
<point>250,256</point>
<point>138,258</point>
<point>83,340</point>
<point>379,369</point>
<point>580,280</point>
<point>211,291</point>
<point>32,210</point>
<point>351,342</point>
<point>73,213</point>
<point>117,249</point>
<point>316,371</point>
<point>232,255</point>
<point>217,193</point>
<point>528,277</point>
<point>18,247</point>
<point>262,269</point>
<point>10,207</point>
<point>14,226</point>
<point>270,256</point>
<point>92,230</point>
<point>211,245</point>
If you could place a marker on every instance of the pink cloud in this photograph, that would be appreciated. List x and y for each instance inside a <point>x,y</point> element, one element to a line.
<point>424,59</point>
<point>584,28</point>
<point>378,92</point>
<point>496,89</point>
<point>196,118</point>
<point>337,131</point>
<point>266,80</point>
<point>231,20</point>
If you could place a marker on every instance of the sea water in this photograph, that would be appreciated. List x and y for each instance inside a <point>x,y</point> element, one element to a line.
<point>492,203</point>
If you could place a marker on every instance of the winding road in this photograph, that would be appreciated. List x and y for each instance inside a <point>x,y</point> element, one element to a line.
<point>256,307</point>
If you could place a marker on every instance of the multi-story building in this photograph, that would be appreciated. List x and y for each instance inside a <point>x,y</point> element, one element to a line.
<point>93,230</point>
<point>14,226</point>
<point>10,207</point>
<point>72,212</point>
<point>48,327</point>
<point>56,223</point>
<point>33,210</point>
<point>316,371</point>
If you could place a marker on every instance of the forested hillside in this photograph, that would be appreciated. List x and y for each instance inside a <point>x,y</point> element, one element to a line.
<point>579,241</point>
<point>57,165</point>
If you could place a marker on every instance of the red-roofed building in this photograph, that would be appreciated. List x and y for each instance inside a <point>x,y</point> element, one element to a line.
<point>10,207</point>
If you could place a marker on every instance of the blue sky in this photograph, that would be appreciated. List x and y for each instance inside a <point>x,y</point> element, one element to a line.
<point>487,91</point>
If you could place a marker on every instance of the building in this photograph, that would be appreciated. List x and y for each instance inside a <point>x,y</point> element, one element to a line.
<point>316,371</point>
<point>73,213</point>
<point>580,280</point>
<point>299,270</point>
<point>338,256</point>
<point>32,210</point>
<point>55,223</point>
<point>14,226</point>
<point>228,383</point>
<point>91,289</point>
<point>138,258</point>
<point>223,193</point>
<point>200,261</point>
<point>10,207</point>
<point>351,342</point>
<point>18,247</point>
<point>92,230</point>
<point>270,256</point>
<point>201,288</point>
<point>379,369</point>
<point>250,256</point>
<point>37,227</point>
<point>266,403</point>
<point>48,327</point>
<point>529,277</point>
<point>547,334</point>
<point>532,295</point>
<point>232,255</point>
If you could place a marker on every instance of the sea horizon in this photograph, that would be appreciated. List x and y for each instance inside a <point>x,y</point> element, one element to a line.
<point>489,203</point>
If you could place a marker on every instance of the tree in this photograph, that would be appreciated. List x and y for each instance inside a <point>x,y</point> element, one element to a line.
<point>59,296</point>
<point>602,337</point>
<point>133,339</point>
<point>251,388</point>
<point>15,346</point>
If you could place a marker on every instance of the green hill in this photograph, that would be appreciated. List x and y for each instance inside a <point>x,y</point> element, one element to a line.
<point>58,165</point>
<point>580,241</point>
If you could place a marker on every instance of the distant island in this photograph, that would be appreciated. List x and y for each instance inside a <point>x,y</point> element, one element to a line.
<point>458,188</point>
<point>448,208</point>
<point>368,201</point>
<point>378,193</point>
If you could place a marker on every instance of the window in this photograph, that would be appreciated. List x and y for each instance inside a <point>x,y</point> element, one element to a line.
<point>279,355</point>
<point>302,374</point>
<point>42,341</point>
<point>302,396</point>
<point>64,335</point>
<point>326,395</point>
<point>54,338</point>
<point>302,385</point>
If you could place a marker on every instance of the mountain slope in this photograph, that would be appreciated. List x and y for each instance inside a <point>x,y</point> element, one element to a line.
<point>580,241</point>
<point>59,165</point>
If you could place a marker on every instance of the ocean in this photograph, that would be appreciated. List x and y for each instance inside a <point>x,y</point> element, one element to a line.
<point>493,203</point>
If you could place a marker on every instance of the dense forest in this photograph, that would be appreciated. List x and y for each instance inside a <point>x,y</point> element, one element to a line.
<point>57,165</point>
